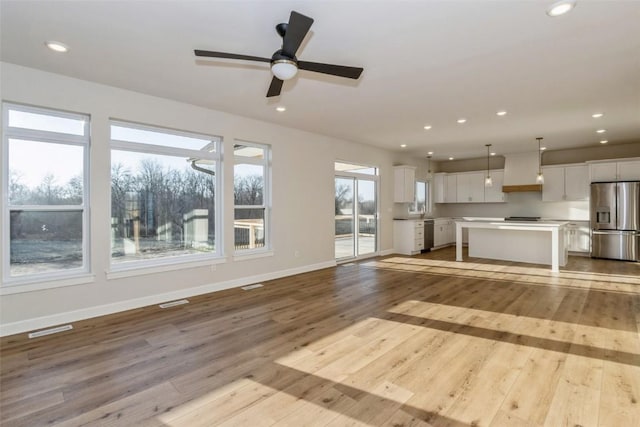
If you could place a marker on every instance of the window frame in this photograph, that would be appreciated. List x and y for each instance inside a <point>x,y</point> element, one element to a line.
<point>266,196</point>
<point>413,207</point>
<point>20,283</point>
<point>166,262</point>
<point>358,176</point>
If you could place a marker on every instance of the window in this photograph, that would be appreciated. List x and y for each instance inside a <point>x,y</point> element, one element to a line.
<point>421,201</point>
<point>45,215</point>
<point>251,196</point>
<point>164,196</point>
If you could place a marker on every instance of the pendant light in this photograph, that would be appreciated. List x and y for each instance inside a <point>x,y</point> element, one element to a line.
<point>429,175</point>
<point>539,178</point>
<point>488,182</point>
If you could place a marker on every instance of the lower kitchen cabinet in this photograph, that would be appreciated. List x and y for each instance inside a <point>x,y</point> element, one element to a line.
<point>579,237</point>
<point>408,236</point>
<point>444,232</point>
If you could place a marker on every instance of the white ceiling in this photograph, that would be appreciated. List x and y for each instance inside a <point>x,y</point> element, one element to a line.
<point>425,62</point>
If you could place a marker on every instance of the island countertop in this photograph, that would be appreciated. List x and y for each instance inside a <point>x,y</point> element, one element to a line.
<point>539,242</point>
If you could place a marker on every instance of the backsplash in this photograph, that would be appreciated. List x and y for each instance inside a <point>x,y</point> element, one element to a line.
<point>518,204</point>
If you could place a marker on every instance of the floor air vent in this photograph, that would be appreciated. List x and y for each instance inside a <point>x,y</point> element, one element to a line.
<point>50,331</point>
<point>174,303</point>
<point>248,288</point>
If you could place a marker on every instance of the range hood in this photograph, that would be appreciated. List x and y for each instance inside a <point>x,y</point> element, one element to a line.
<point>520,171</point>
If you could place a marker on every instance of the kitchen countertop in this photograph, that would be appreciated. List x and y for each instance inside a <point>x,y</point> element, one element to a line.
<point>538,242</point>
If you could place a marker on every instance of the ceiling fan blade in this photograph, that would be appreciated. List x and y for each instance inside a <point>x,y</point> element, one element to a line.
<point>297,28</point>
<point>210,54</point>
<point>275,87</point>
<point>334,70</point>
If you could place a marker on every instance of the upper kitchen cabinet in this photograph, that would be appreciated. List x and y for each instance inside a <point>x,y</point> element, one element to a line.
<point>445,188</point>
<point>404,184</point>
<point>576,182</point>
<point>467,187</point>
<point>629,171</point>
<point>565,183</point>
<point>439,187</point>
<point>603,172</point>
<point>451,189</point>
<point>470,187</point>
<point>623,170</point>
<point>494,193</point>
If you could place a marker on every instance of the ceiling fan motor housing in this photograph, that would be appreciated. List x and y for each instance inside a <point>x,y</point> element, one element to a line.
<point>282,29</point>
<point>280,56</point>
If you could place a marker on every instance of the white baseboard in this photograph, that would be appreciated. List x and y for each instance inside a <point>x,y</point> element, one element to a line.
<point>387,252</point>
<point>101,310</point>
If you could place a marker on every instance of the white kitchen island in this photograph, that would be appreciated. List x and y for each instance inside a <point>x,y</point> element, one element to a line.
<point>540,242</point>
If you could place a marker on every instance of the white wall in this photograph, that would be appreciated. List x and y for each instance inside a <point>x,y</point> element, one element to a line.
<point>303,199</point>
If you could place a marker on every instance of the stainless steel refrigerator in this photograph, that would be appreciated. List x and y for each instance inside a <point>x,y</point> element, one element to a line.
<point>615,220</point>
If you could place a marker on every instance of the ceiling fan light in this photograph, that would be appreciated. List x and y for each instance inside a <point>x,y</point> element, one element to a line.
<point>284,69</point>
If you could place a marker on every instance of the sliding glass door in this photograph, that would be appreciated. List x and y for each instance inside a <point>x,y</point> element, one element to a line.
<point>356,211</point>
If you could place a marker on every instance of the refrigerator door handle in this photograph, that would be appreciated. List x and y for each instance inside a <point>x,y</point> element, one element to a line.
<point>613,232</point>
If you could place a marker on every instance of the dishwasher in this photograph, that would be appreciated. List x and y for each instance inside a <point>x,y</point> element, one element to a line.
<point>428,235</point>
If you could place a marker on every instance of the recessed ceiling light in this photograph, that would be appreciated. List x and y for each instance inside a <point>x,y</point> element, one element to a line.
<point>281,109</point>
<point>427,127</point>
<point>493,154</point>
<point>501,113</point>
<point>601,130</point>
<point>430,153</point>
<point>462,121</point>
<point>604,141</point>
<point>403,145</point>
<point>560,7</point>
<point>450,158</point>
<point>597,115</point>
<point>57,46</point>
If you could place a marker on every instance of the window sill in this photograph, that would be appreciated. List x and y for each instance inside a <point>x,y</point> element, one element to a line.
<point>21,287</point>
<point>252,255</point>
<point>141,270</point>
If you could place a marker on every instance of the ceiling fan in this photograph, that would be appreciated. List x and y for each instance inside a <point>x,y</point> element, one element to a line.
<point>284,64</point>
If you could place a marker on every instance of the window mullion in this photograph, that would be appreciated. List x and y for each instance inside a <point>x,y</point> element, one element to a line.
<point>159,149</point>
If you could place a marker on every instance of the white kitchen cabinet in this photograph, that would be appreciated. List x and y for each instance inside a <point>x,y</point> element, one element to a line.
<point>629,171</point>
<point>444,230</point>
<point>451,189</point>
<point>576,182</point>
<point>408,236</point>
<point>579,237</point>
<point>624,170</point>
<point>470,187</point>
<point>603,172</point>
<point>564,183</point>
<point>553,187</point>
<point>439,187</point>
<point>467,187</point>
<point>404,184</point>
<point>494,193</point>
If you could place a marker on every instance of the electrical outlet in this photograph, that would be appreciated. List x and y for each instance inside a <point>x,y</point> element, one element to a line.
<point>296,254</point>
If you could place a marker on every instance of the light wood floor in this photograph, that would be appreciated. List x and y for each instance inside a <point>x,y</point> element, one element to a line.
<point>396,341</point>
